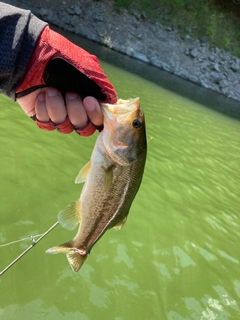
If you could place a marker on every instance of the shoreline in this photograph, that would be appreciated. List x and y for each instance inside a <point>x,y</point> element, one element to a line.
<point>134,35</point>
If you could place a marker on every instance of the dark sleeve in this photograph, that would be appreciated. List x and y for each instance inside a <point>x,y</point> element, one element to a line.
<point>19,31</point>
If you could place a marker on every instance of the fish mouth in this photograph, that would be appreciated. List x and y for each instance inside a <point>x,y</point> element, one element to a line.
<point>123,111</point>
<point>121,107</point>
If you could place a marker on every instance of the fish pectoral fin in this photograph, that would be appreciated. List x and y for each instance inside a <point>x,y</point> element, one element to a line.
<point>70,216</point>
<point>76,257</point>
<point>108,177</point>
<point>120,224</point>
<point>82,176</point>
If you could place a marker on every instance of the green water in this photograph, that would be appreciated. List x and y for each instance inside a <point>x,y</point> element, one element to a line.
<point>178,255</point>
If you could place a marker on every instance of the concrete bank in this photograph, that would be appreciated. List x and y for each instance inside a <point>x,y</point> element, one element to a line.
<point>133,35</point>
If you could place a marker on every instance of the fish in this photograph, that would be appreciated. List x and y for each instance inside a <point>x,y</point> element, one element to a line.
<point>111,179</point>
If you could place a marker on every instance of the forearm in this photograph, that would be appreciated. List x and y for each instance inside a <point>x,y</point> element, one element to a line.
<point>19,31</point>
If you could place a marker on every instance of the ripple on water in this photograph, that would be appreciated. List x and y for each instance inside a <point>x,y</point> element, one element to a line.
<point>177,256</point>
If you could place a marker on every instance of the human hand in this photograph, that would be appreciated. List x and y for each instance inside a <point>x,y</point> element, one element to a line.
<point>58,63</point>
<point>68,113</point>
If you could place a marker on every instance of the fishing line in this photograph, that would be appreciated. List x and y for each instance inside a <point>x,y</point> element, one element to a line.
<point>23,239</point>
<point>34,242</point>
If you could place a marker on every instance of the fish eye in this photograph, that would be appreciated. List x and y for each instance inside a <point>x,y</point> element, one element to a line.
<point>136,123</point>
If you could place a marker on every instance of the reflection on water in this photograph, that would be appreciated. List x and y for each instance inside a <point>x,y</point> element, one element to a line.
<point>177,256</point>
<point>122,256</point>
<point>37,311</point>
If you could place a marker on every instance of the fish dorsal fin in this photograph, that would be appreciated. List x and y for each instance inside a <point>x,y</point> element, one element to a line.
<point>70,216</point>
<point>120,224</point>
<point>108,177</point>
<point>82,176</point>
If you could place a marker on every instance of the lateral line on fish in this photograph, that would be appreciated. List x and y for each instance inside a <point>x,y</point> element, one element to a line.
<point>28,249</point>
<point>119,205</point>
<point>110,221</point>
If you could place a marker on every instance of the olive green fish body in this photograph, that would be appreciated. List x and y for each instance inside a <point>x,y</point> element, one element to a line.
<point>112,178</point>
<point>111,205</point>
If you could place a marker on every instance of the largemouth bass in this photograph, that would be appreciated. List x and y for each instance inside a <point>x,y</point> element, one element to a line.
<point>112,178</point>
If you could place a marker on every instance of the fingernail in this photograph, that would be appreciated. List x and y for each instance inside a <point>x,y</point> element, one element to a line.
<point>41,97</point>
<point>52,92</point>
<point>89,103</point>
<point>71,95</point>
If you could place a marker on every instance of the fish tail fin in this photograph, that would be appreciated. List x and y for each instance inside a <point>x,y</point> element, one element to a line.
<point>75,256</point>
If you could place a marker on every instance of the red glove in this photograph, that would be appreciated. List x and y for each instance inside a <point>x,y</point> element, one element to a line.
<point>57,62</point>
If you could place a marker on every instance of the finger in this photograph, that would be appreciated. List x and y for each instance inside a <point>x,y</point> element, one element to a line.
<point>40,108</point>
<point>28,102</point>
<point>75,110</point>
<point>93,110</point>
<point>55,105</point>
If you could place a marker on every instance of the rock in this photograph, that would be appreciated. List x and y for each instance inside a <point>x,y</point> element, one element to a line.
<point>77,10</point>
<point>153,43</point>
<point>212,58</point>
<point>165,66</point>
<point>188,37</point>
<point>194,52</point>
<point>141,56</point>
<point>136,14</point>
<point>70,10</point>
<point>215,67</point>
<point>223,84</point>
<point>205,65</point>
<point>215,77</point>
<point>183,74</point>
<point>225,90</point>
<point>193,78</point>
<point>235,66</point>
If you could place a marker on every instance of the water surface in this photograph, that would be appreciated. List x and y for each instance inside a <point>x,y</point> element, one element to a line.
<point>177,257</point>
